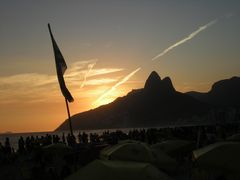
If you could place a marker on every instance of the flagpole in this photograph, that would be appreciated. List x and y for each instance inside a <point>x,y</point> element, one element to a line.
<point>69,117</point>
<point>61,67</point>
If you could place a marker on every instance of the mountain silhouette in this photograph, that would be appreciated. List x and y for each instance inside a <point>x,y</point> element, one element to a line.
<point>156,85</point>
<point>156,104</point>
<point>224,93</point>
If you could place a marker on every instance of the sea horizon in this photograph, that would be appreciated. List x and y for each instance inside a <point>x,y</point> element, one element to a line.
<point>14,137</point>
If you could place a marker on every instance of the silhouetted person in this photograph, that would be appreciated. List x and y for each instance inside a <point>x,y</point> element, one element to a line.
<point>85,138</point>
<point>28,144</point>
<point>71,140</point>
<point>1,148</point>
<point>80,137</point>
<point>7,146</point>
<point>63,138</point>
<point>21,145</point>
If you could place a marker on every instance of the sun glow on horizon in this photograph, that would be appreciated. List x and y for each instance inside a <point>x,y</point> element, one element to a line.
<point>110,98</point>
<point>103,102</point>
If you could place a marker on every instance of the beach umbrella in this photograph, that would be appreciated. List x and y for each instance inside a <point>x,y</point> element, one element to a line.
<point>118,170</point>
<point>138,152</point>
<point>235,137</point>
<point>56,152</point>
<point>55,156</point>
<point>128,151</point>
<point>58,148</point>
<point>221,157</point>
<point>164,162</point>
<point>174,147</point>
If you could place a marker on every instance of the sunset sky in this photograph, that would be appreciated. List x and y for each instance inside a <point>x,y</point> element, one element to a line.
<point>110,47</point>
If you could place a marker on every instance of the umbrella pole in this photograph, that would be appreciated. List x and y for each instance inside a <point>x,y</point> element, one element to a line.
<point>69,117</point>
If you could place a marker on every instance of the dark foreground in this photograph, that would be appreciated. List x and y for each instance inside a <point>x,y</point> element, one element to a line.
<point>54,157</point>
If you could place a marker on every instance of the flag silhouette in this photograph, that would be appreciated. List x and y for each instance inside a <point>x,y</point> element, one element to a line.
<point>61,67</point>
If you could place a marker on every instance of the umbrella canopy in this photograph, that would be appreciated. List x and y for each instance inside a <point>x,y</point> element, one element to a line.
<point>56,152</point>
<point>174,147</point>
<point>223,157</point>
<point>128,151</point>
<point>57,149</point>
<point>139,152</point>
<point>55,156</point>
<point>118,170</point>
<point>164,162</point>
<point>235,137</point>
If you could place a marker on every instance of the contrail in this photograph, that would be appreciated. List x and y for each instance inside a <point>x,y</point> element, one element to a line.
<point>116,85</point>
<point>189,37</point>
<point>90,66</point>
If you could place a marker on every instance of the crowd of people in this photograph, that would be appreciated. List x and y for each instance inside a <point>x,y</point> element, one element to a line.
<point>86,147</point>
<point>203,134</point>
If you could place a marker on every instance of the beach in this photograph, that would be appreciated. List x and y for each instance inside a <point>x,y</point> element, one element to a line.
<point>90,147</point>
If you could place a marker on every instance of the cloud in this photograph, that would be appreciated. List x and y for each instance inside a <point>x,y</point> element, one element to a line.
<point>35,87</point>
<point>78,67</point>
<point>78,70</point>
<point>189,37</point>
<point>102,71</point>
<point>229,15</point>
<point>90,66</point>
<point>102,81</point>
<point>123,80</point>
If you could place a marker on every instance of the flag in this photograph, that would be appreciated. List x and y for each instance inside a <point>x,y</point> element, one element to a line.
<point>61,67</point>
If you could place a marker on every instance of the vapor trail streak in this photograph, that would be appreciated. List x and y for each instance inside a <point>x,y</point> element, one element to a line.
<point>118,84</point>
<point>90,66</point>
<point>189,37</point>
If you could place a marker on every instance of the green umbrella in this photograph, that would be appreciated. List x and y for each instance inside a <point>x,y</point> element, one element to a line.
<point>221,157</point>
<point>138,152</point>
<point>118,170</point>
<point>57,149</point>
<point>235,137</point>
<point>164,162</point>
<point>128,151</point>
<point>174,147</point>
<point>54,155</point>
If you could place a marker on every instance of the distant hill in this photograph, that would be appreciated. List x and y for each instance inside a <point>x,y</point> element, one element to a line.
<point>224,93</point>
<point>156,104</point>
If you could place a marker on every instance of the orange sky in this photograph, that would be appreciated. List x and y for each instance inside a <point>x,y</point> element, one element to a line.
<point>38,108</point>
<point>104,43</point>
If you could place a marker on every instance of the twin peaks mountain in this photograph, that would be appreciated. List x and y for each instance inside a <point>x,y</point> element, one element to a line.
<point>158,103</point>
